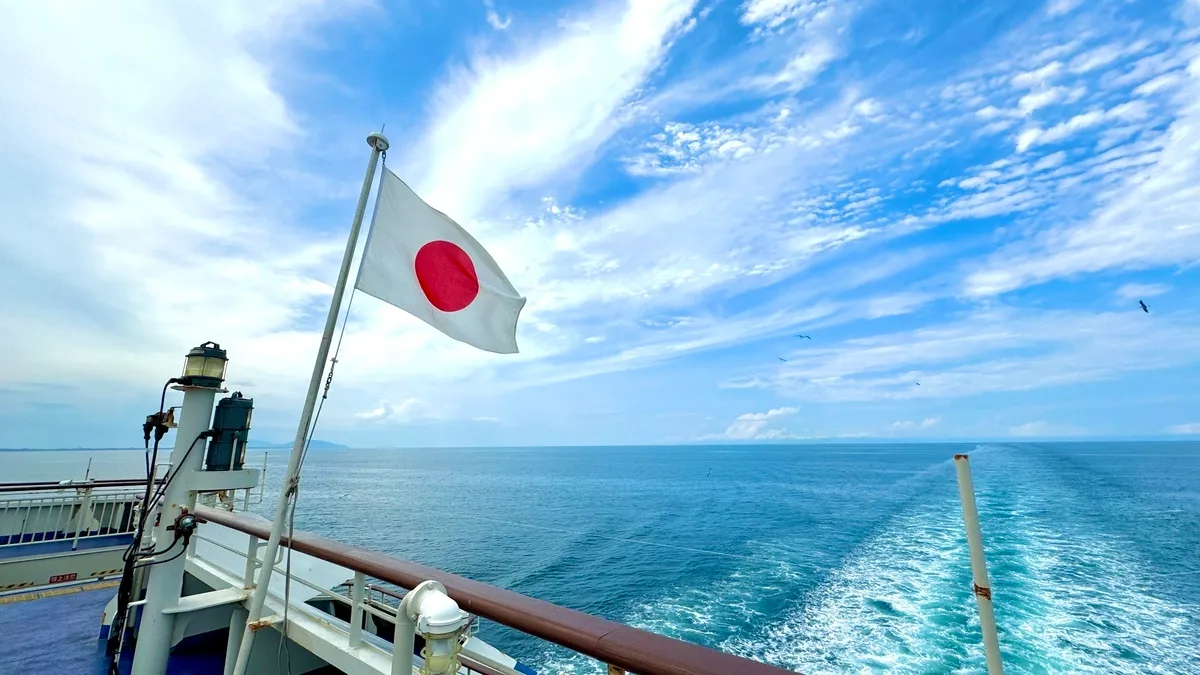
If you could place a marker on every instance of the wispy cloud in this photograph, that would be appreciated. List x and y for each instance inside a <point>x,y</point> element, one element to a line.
<point>404,412</point>
<point>493,17</point>
<point>1184,429</point>
<point>506,122</point>
<point>991,351</point>
<point>1129,292</point>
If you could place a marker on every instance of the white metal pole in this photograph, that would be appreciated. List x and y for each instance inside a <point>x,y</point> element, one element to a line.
<point>166,578</point>
<point>379,144</point>
<point>983,588</point>
<point>404,640</point>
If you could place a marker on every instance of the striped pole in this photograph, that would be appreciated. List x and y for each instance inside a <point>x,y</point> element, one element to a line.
<point>983,589</point>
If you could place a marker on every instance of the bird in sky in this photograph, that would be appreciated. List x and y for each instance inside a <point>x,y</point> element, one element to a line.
<point>804,336</point>
<point>1144,307</point>
<point>781,359</point>
<point>918,384</point>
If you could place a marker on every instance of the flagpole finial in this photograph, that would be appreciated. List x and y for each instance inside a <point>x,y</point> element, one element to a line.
<point>378,141</point>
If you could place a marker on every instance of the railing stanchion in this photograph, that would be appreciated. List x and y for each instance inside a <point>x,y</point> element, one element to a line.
<point>356,610</point>
<point>251,563</point>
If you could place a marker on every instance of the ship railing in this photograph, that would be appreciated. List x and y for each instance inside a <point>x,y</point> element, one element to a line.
<point>377,576</point>
<point>68,511</point>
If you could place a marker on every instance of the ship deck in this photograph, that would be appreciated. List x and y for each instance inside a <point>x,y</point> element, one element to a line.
<point>58,632</point>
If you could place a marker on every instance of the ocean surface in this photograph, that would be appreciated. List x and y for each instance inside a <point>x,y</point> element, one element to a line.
<point>818,558</point>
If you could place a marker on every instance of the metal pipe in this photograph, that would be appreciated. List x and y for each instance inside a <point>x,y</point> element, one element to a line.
<point>403,643</point>
<point>166,578</point>
<point>983,589</point>
<point>47,486</point>
<point>291,477</point>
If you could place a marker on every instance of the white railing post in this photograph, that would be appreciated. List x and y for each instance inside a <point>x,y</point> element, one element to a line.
<point>251,565</point>
<point>983,589</point>
<point>356,609</point>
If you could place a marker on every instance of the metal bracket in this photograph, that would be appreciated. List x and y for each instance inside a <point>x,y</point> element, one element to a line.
<point>264,622</point>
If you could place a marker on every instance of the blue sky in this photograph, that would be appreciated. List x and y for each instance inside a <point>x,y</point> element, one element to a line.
<point>969,195</point>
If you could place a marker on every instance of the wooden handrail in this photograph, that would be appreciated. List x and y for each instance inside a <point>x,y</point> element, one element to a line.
<point>610,642</point>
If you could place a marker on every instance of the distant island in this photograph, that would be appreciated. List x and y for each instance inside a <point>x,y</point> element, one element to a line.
<point>314,445</point>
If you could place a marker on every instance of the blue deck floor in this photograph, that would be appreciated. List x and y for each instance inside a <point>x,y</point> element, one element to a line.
<point>59,636</point>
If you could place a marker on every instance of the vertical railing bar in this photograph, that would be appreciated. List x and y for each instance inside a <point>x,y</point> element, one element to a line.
<point>59,528</point>
<point>251,562</point>
<point>356,610</point>
<point>37,521</point>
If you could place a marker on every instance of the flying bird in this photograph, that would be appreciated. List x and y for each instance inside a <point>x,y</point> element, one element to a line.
<point>1144,307</point>
<point>918,384</point>
<point>804,336</point>
<point>781,359</point>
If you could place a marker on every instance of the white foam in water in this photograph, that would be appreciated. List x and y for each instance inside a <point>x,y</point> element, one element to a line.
<point>703,615</point>
<point>1068,600</point>
<point>1070,597</point>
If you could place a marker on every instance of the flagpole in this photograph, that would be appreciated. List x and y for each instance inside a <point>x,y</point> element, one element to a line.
<point>979,573</point>
<point>379,145</point>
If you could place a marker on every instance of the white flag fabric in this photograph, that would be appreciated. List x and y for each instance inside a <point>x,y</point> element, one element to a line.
<point>421,261</point>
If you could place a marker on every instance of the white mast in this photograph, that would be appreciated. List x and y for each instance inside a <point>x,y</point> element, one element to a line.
<point>379,145</point>
<point>979,573</point>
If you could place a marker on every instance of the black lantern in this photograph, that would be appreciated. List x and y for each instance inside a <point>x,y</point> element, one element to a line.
<point>205,365</point>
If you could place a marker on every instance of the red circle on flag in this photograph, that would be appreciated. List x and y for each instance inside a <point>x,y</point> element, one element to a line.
<point>447,275</point>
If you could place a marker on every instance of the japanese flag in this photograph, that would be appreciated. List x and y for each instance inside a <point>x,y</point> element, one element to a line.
<point>421,261</point>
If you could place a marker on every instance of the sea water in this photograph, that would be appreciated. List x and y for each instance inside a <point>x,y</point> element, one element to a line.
<point>818,558</point>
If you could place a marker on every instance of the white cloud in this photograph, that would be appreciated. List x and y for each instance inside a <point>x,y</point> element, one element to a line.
<point>1160,83</point>
<point>1031,102</point>
<point>1051,161</point>
<point>1184,429</point>
<point>1061,7</point>
<point>996,350</point>
<point>909,425</point>
<point>1039,428</point>
<point>773,14</point>
<point>146,213</point>
<point>1027,138</point>
<point>404,412</point>
<point>1147,222</point>
<point>1044,429</point>
<point>493,18</point>
<point>1096,58</point>
<point>501,124</point>
<point>755,426</point>
<point>1038,76</point>
<point>1129,292</point>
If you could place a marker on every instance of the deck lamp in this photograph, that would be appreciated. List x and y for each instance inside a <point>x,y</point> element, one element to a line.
<point>439,620</point>
<point>205,366</point>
